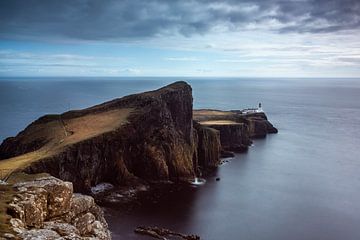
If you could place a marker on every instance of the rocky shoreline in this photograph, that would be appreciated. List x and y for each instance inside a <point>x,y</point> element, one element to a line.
<point>131,142</point>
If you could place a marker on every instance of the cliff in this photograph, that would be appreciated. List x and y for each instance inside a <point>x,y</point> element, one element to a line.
<point>236,127</point>
<point>233,136</point>
<point>259,126</point>
<point>46,208</point>
<point>208,147</point>
<point>141,137</point>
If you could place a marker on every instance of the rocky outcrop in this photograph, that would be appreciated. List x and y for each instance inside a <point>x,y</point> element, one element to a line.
<point>133,140</point>
<point>259,126</point>
<point>46,208</point>
<point>163,233</point>
<point>236,127</point>
<point>129,141</point>
<point>154,142</point>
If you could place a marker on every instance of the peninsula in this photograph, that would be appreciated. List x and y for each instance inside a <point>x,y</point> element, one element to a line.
<point>143,138</point>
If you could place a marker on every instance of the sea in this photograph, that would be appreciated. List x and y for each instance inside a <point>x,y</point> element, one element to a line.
<point>300,184</point>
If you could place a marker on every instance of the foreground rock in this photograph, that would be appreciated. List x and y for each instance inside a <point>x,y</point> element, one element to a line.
<point>163,233</point>
<point>46,208</point>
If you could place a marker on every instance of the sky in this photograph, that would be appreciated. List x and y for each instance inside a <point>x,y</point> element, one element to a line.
<point>229,38</point>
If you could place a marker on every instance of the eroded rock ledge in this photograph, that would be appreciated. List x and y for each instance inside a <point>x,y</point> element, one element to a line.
<point>47,208</point>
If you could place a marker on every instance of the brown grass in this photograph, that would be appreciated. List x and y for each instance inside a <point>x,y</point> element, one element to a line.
<point>209,112</point>
<point>61,133</point>
<point>219,122</point>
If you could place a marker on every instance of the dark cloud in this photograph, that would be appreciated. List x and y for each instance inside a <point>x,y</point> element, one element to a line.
<point>137,19</point>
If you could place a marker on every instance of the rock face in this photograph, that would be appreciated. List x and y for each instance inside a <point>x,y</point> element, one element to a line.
<point>259,125</point>
<point>135,139</point>
<point>208,147</point>
<point>155,141</point>
<point>46,208</point>
<point>234,137</point>
<point>236,127</point>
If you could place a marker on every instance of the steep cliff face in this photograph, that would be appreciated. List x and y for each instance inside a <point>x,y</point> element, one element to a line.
<point>233,136</point>
<point>146,136</point>
<point>46,208</point>
<point>236,127</point>
<point>208,147</point>
<point>259,125</point>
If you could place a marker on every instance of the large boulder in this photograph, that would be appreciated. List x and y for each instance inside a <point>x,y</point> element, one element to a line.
<point>46,208</point>
<point>47,192</point>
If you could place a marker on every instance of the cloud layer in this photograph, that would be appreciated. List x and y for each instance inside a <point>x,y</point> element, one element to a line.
<point>138,19</point>
<point>180,37</point>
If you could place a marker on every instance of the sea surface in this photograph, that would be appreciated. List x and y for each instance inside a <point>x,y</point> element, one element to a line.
<point>302,183</point>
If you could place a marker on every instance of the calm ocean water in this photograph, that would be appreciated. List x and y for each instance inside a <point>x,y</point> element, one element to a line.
<point>302,183</point>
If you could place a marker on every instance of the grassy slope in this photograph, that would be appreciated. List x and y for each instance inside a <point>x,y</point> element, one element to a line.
<point>219,122</point>
<point>62,133</point>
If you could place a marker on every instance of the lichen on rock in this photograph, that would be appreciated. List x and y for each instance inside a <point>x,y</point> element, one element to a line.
<point>47,208</point>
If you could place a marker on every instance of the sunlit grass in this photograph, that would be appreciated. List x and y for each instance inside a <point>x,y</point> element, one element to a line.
<point>219,122</point>
<point>59,134</point>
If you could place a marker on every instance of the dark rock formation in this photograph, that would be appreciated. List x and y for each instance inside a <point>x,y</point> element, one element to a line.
<point>234,137</point>
<point>208,147</point>
<point>226,154</point>
<point>141,137</point>
<point>163,233</point>
<point>236,127</point>
<point>259,126</point>
<point>46,208</point>
<point>132,140</point>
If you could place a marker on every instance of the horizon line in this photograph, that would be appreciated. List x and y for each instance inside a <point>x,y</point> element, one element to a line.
<point>3,77</point>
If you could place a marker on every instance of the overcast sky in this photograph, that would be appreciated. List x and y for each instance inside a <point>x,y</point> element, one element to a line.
<point>304,38</point>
